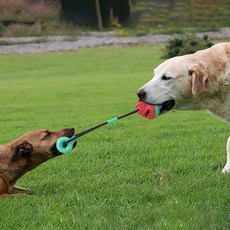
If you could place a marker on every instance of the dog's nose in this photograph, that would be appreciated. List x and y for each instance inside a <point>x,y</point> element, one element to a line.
<point>141,94</point>
<point>71,130</point>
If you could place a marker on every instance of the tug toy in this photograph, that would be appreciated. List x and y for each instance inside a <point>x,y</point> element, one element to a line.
<point>65,144</point>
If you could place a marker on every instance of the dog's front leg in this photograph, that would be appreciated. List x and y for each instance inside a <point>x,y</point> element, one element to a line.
<point>21,189</point>
<point>226,168</point>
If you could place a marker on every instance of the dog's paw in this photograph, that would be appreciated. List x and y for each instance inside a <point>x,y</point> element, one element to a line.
<point>226,169</point>
<point>21,189</point>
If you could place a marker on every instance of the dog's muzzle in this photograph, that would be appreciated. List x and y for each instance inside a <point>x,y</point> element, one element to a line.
<point>167,105</point>
<point>55,151</point>
<point>69,133</point>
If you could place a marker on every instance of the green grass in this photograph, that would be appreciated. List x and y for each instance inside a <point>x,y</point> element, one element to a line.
<point>134,174</point>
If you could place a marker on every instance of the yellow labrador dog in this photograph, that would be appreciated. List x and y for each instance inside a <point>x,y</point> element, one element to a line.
<point>196,81</point>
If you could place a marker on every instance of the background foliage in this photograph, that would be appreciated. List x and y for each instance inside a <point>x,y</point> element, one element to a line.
<point>185,44</point>
<point>180,15</point>
<point>39,17</point>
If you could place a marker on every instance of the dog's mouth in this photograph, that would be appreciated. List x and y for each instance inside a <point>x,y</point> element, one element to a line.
<point>167,106</point>
<point>54,149</point>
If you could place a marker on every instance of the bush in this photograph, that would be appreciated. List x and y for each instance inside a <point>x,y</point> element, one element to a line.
<point>27,17</point>
<point>186,44</point>
<point>22,30</point>
<point>28,10</point>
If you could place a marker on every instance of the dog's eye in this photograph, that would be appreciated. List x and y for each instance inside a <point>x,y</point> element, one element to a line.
<point>48,133</point>
<point>165,78</point>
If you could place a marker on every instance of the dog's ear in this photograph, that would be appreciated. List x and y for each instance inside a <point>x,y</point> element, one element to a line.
<point>22,149</point>
<point>199,78</point>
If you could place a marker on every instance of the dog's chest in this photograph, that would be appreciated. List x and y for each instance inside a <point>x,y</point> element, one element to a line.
<point>221,110</point>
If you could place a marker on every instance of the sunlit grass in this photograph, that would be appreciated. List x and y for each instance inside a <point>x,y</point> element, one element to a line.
<point>134,174</point>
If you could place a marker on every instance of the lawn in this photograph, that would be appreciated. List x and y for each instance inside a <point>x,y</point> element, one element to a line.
<point>133,174</point>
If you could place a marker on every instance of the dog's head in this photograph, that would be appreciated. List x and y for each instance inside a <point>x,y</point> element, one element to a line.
<point>39,145</point>
<point>177,83</point>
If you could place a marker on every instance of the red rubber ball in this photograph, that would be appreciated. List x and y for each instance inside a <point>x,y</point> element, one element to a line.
<point>147,110</point>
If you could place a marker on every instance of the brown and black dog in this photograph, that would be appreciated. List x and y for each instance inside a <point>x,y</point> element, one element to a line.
<point>26,153</point>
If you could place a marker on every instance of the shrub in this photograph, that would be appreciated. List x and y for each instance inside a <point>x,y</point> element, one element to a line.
<point>27,17</point>
<point>185,44</point>
<point>22,30</point>
<point>28,10</point>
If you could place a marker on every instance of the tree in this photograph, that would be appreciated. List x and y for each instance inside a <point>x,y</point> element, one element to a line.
<point>99,18</point>
<point>96,13</point>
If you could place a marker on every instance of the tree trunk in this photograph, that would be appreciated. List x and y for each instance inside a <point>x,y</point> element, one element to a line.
<point>99,18</point>
<point>130,8</point>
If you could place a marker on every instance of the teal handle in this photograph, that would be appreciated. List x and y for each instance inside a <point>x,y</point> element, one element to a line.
<point>157,109</point>
<point>60,145</point>
<point>112,120</point>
